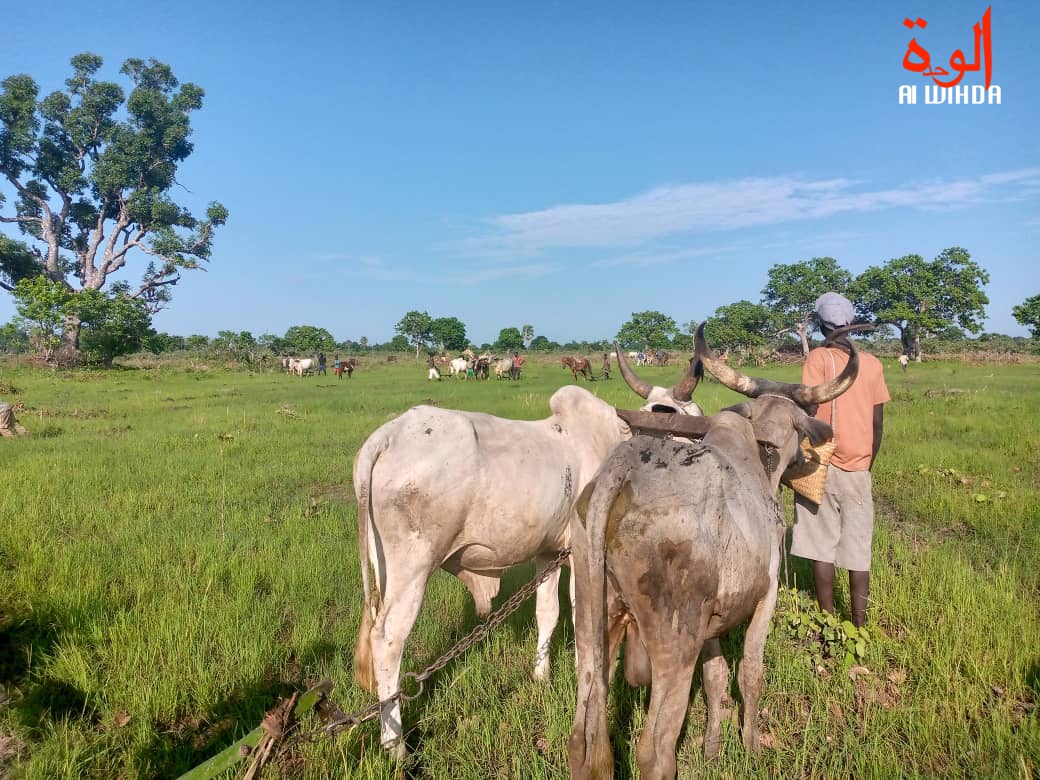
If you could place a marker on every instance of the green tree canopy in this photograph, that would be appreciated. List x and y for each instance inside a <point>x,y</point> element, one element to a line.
<point>540,343</point>
<point>196,343</point>
<point>237,345</point>
<point>415,326</point>
<point>449,333</point>
<point>269,341</point>
<point>112,323</point>
<point>14,339</point>
<point>647,329</point>
<point>168,342</point>
<point>398,343</point>
<point>739,325</point>
<point>93,170</point>
<point>509,339</point>
<point>1028,313</point>
<point>308,340</point>
<point>921,298</point>
<point>793,288</point>
<point>17,262</point>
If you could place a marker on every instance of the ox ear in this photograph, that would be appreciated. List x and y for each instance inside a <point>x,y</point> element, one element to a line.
<point>744,409</point>
<point>817,431</point>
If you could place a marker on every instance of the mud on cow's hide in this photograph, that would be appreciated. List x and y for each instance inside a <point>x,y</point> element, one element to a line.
<point>673,545</point>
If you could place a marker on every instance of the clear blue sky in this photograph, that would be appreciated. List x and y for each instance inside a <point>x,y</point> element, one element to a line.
<point>566,164</point>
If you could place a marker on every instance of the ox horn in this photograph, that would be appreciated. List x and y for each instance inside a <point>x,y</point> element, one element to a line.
<point>684,390</point>
<point>730,377</point>
<point>803,395</point>
<point>828,391</point>
<point>641,387</point>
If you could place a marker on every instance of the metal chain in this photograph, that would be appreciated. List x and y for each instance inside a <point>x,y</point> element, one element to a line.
<point>339,720</point>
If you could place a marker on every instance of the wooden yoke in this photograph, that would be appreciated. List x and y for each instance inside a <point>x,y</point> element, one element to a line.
<point>661,425</point>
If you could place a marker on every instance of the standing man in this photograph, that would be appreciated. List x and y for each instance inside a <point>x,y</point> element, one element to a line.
<point>335,366</point>
<point>839,531</point>
<point>606,365</point>
<point>514,368</point>
<point>321,364</point>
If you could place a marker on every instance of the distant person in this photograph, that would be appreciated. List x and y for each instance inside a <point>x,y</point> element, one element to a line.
<point>514,367</point>
<point>432,365</point>
<point>606,365</point>
<point>903,360</point>
<point>335,366</point>
<point>839,531</point>
<point>321,364</point>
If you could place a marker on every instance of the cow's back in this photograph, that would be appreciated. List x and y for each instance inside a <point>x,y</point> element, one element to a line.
<point>447,481</point>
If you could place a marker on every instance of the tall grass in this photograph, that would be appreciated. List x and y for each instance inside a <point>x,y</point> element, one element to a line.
<point>178,549</point>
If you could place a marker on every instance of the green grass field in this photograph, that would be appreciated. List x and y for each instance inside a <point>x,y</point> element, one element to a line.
<point>178,549</point>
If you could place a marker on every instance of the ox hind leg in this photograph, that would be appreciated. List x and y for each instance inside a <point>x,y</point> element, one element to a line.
<point>401,599</point>
<point>715,672</point>
<point>672,667</point>
<point>751,667</point>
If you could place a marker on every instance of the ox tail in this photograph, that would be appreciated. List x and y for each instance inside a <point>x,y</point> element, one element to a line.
<point>589,750</point>
<point>364,463</point>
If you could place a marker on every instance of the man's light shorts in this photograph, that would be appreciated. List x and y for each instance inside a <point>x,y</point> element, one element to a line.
<point>841,528</point>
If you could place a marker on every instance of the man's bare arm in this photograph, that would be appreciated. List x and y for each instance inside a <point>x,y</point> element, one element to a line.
<point>879,430</point>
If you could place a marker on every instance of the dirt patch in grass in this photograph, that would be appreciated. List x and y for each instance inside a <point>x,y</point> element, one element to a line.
<point>10,748</point>
<point>339,492</point>
<point>79,414</point>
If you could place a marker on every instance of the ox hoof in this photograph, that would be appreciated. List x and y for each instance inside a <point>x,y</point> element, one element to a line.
<point>397,749</point>
<point>711,748</point>
<point>541,672</point>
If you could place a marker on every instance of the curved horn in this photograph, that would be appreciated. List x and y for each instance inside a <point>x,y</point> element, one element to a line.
<point>684,390</point>
<point>730,377</point>
<point>828,391</point>
<point>641,387</point>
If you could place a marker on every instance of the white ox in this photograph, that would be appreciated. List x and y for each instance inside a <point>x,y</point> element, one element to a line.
<point>300,366</point>
<point>501,367</point>
<point>458,367</point>
<point>512,486</point>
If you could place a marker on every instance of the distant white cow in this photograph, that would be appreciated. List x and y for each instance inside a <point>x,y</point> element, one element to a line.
<point>457,367</point>
<point>502,366</point>
<point>301,366</point>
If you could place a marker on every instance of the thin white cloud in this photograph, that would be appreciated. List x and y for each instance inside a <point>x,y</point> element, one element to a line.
<point>374,267</point>
<point>490,273</point>
<point>730,204</point>
<point>651,257</point>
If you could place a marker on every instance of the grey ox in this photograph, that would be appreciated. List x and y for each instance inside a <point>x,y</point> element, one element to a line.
<point>473,494</point>
<point>674,543</point>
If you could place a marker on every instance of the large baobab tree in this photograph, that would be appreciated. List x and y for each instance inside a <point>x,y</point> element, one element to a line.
<point>89,171</point>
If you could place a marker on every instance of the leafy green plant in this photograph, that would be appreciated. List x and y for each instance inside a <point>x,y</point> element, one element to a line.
<point>824,636</point>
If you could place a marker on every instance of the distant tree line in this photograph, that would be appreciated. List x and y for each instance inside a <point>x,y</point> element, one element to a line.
<point>915,304</point>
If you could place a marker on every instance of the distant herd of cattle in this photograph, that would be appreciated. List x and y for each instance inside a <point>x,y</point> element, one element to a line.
<point>673,541</point>
<point>471,366</point>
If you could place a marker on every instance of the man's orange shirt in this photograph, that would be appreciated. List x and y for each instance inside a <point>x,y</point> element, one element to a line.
<point>854,409</point>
